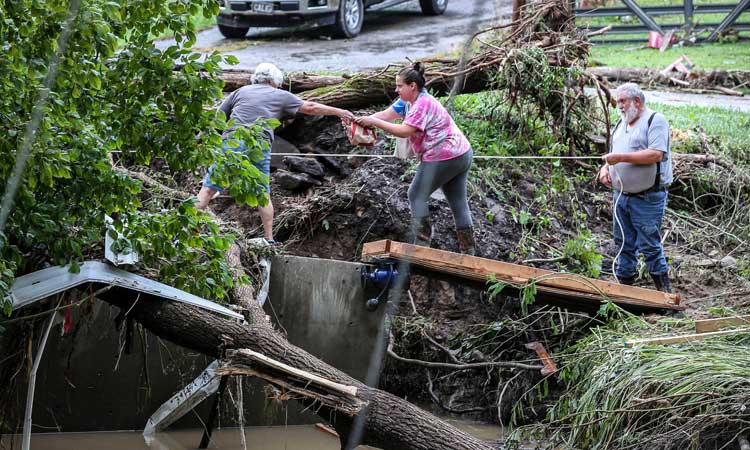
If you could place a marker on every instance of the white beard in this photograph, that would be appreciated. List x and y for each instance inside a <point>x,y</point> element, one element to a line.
<point>629,114</point>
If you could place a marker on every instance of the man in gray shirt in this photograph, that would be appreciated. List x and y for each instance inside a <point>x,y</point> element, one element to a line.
<point>639,169</point>
<point>261,100</point>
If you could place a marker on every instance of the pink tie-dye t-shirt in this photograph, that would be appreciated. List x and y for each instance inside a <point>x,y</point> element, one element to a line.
<point>438,138</point>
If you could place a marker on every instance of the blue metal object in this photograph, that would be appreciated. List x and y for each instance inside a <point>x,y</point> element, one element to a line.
<point>381,277</point>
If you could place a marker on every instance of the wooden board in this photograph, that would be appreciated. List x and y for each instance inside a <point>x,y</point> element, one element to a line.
<point>708,325</point>
<point>680,339</point>
<point>480,269</point>
<point>310,377</point>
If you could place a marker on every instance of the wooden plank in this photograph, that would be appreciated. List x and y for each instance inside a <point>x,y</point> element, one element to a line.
<point>272,363</point>
<point>597,299</point>
<point>549,294</point>
<point>476,268</point>
<point>708,325</point>
<point>377,247</point>
<point>680,339</point>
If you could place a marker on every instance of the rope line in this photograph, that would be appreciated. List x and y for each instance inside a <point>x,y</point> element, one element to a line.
<point>368,155</point>
<point>475,156</point>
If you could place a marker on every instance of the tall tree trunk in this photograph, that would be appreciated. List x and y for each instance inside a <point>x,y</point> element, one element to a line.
<point>388,422</point>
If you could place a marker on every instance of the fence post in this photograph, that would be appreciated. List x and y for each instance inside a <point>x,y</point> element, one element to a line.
<point>689,14</point>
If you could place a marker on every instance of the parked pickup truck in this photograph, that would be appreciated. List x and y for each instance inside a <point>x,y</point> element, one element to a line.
<point>344,16</point>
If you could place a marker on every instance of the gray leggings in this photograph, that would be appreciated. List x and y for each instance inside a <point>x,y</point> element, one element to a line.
<point>451,175</point>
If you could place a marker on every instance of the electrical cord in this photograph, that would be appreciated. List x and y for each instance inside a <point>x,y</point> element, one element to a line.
<point>619,225</point>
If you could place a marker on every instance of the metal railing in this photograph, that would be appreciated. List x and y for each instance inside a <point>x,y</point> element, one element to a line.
<point>688,10</point>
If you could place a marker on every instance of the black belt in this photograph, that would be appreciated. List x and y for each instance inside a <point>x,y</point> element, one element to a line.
<point>659,188</point>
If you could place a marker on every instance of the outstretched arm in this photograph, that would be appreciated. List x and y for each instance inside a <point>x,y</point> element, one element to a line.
<point>400,130</point>
<point>319,109</point>
<point>389,115</point>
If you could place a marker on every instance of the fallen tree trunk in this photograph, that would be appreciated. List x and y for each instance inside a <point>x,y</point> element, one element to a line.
<point>368,88</point>
<point>296,82</point>
<point>713,79</point>
<point>377,87</point>
<point>387,422</point>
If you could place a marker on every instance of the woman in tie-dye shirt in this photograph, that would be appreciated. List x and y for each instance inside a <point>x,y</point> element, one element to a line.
<point>442,148</point>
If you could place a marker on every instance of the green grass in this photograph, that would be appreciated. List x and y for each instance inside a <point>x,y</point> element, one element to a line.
<point>729,125</point>
<point>704,56</point>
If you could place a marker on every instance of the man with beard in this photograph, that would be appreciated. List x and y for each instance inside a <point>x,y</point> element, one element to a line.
<point>639,169</point>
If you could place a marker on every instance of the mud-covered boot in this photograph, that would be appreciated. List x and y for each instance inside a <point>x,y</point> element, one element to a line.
<point>421,229</point>
<point>628,281</point>
<point>466,243</point>
<point>662,282</point>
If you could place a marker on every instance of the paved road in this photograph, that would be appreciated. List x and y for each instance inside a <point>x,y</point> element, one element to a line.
<point>388,36</point>
<point>688,99</point>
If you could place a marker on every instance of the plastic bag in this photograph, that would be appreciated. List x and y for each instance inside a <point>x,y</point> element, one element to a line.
<point>404,149</point>
<point>359,135</point>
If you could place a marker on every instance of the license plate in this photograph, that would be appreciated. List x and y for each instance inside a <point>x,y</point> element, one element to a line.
<point>262,8</point>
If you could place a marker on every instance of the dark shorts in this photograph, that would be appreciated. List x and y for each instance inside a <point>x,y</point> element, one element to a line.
<point>264,165</point>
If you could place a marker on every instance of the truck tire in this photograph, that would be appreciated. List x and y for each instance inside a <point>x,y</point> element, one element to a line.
<point>349,18</point>
<point>433,7</point>
<point>233,32</point>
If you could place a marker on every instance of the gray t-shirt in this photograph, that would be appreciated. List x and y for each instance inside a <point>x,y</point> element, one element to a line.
<point>248,103</point>
<point>640,136</point>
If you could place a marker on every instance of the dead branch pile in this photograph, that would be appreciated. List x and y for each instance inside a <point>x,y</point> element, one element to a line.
<point>721,81</point>
<point>716,192</point>
<point>540,68</point>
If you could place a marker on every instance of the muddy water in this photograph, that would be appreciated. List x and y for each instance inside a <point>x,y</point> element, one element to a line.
<point>301,437</point>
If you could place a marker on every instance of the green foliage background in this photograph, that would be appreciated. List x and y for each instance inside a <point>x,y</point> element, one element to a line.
<point>114,92</point>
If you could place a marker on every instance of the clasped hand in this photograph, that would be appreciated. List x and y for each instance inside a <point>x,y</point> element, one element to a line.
<point>365,121</point>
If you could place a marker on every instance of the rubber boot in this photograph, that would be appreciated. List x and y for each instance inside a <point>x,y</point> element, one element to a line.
<point>422,231</point>
<point>662,282</point>
<point>627,281</point>
<point>466,243</point>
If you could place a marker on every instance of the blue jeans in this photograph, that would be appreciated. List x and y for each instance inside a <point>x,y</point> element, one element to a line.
<point>264,165</point>
<point>640,216</point>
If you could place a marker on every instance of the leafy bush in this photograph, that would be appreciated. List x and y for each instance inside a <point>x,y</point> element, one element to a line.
<point>78,85</point>
<point>582,255</point>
